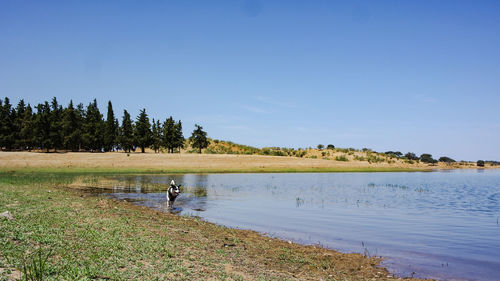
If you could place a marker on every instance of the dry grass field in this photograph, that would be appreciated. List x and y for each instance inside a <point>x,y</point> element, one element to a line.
<point>186,162</point>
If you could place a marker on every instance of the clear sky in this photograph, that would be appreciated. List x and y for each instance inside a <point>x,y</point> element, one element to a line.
<point>420,76</point>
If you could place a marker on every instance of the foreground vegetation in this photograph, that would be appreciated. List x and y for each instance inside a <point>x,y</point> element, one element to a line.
<point>60,233</point>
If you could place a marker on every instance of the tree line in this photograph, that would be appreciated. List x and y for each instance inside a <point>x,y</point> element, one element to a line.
<point>50,126</point>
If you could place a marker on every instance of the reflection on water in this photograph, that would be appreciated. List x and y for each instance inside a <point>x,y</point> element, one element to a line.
<point>442,224</point>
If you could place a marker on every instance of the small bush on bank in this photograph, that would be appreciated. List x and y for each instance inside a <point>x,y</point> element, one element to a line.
<point>359,158</point>
<point>341,158</point>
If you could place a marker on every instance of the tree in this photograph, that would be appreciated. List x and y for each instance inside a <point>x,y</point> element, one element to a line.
<point>18,123</point>
<point>480,163</point>
<point>320,147</point>
<point>156,136</point>
<point>142,131</point>
<point>179,137</point>
<point>411,156</point>
<point>26,135</point>
<point>110,129</point>
<point>446,159</point>
<point>198,138</point>
<point>427,158</point>
<point>7,129</point>
<point>93,128</point>
<point>41,125</point>
<point>126,132</point>
<point>330,146</point>
<point>396,154</point>
<point>71,128</point>
<point>169,135</point>
<point>80,114</point>
<point>55,117</point>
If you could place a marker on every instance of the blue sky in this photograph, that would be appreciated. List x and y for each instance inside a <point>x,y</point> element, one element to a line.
<point>420,76</point>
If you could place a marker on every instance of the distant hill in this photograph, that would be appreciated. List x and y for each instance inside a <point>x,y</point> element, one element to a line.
<point>335,154</point>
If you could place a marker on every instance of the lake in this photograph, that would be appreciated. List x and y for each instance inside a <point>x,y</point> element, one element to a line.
<point>442,225</point>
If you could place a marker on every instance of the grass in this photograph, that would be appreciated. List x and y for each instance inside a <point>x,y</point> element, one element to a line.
<point>64,234</point>
<point>35,268</point>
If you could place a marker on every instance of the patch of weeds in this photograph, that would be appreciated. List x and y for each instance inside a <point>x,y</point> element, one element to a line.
<point>375,159</point>
<point>35,266</point>
<point>288,256</point>
<point>200,192</point>
<point>341,158</point>
<point>359,158</point>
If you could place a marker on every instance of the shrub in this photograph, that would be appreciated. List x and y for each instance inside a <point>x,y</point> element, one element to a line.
<point>391,154</point>
<point>320,146</point>
<point>446,159</point>
<point>210,151</point>
<point>411,156</point>
<point>427,158</point>
<point>330,146</point>
<point>301,153</point>
<point>480,163</point>
<point>375,159</point>
<point>341,158</point>
<point>359,158</point>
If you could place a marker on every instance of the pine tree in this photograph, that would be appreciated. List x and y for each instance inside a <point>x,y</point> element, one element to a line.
<point>126,132</point>
<point>26,134</point>
<point>198,138</point>
<point>156,136</point>
<point>80,117</point>
<point>18,123</point>
<point>179,137</point>
<point>7,129</point>
<point>169,134</point>
<point>111,129</point>
<point>93,128</point>
<point>70,125</point>
<point>2,124</point>
<point>41,126</point>
<point>142,131</point>
<point>55,124</point>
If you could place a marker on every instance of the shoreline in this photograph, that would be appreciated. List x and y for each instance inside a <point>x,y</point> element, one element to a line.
<point>76,226</point>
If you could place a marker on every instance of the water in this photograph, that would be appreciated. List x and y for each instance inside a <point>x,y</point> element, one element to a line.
<point>441,225</point>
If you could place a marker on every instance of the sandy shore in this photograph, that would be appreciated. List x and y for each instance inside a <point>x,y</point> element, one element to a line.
<point>187,162</point>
